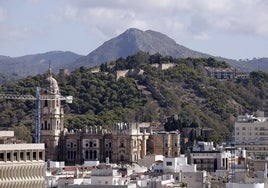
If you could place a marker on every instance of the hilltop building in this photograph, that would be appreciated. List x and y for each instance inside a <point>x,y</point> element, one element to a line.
<point>126,143</point>
<point>226,73</point>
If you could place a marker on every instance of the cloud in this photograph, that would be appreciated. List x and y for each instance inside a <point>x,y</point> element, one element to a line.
<point>3,15</point>
<point>186,21</point>
<point>184,17</point>
<point>233,17</point>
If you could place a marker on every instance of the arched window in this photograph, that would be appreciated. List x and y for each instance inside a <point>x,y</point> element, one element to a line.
<point>86,154</point>
<point>95,154</point>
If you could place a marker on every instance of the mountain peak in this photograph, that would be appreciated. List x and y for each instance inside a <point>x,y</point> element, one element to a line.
<point>133,40</point>
<point>133,30</point>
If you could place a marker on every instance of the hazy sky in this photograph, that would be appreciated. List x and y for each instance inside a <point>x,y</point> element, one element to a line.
<point>228,28</point>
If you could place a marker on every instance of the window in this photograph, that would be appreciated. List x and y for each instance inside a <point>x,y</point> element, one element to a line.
<point>21,156</point>
<point>95,154</point>
<point>34,156</point>
<point>15,156</point>
<point>8,157</point>
<point>28,156</point>
<point>1,157</point>
<point>169,163</point>
<point>45,125</point>
<point>40,156</point>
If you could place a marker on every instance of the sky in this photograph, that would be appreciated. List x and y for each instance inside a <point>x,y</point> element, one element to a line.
<point>236,29</point>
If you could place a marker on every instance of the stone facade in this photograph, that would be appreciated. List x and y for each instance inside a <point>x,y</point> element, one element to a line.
<point>51,117</point>
<point>126,143</point>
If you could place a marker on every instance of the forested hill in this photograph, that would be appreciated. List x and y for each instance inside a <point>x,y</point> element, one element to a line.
<point>183,91</point>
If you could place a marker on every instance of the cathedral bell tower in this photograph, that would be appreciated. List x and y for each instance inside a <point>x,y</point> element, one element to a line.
<point>51,116</point>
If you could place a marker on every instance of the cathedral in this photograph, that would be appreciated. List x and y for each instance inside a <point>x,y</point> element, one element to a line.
<point>125,143</point>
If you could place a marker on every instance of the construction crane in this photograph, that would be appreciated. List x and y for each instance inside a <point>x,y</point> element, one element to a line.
<point>37,99</point>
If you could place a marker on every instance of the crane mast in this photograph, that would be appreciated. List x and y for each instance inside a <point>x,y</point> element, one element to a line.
<point>37,116</point>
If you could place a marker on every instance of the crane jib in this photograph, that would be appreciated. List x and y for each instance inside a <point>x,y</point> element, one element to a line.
<point>68,99</point>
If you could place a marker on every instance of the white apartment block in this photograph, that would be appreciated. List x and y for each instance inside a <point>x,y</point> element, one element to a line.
<point>22,165</point>
<point>251,134</point>
<point>107,177</point>
<point>207,158</point>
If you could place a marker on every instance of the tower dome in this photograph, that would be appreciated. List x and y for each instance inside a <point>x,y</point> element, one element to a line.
<point>51,83</point>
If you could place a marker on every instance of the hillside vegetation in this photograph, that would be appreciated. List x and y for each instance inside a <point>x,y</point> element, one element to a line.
<point>180,96</point>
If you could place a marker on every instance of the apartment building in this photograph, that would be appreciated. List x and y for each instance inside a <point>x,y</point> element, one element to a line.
<point>226,73</point>
<point>207,158</point>
<point>22,165</point>
<point>251,133</point>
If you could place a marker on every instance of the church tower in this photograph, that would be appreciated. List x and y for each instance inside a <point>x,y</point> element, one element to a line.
<point>51,116</point>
